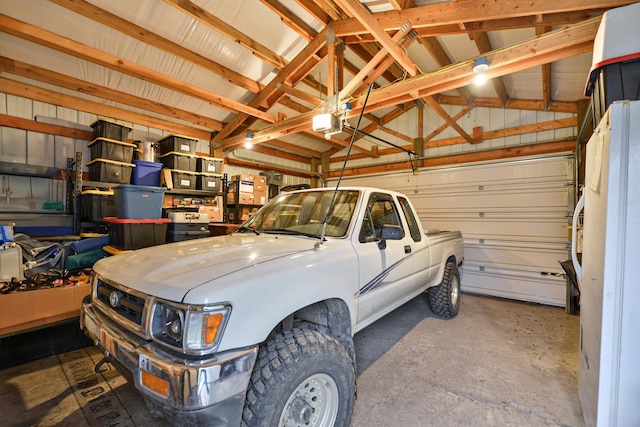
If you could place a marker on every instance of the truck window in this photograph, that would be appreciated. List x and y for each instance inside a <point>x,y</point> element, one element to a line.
<point>414,229</point>
<point>381,210</point>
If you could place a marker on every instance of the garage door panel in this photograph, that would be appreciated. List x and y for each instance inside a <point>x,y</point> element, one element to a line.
<point>498,228</point>
<point>521,259</point>
<point>521,288</point>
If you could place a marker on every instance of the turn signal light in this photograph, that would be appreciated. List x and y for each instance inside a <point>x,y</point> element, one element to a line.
<point>213,325</point>
<point>154,383</point>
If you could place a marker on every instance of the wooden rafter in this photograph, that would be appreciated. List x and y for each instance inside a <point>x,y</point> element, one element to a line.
<point>458,12</point>
<point>551,46</point>
<point>369,22</point>
<point>54,41</point>
<point>44,95</point>
<point>103,17</point>
<point>217,24</point>
<point>291,20</point>
<point>33,72</point>
<point>546,73</point>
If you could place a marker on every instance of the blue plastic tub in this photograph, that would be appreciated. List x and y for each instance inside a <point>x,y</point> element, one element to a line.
<point>138,201</point>
<point>146,173</point>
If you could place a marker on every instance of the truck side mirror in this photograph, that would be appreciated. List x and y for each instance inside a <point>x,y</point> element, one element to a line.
<point>389,232</point>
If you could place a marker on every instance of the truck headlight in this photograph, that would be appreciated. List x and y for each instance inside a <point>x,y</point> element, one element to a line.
<point>191,329</point>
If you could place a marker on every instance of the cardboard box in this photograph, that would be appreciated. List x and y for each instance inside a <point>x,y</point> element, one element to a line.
<point>244,213</point>
<point>26,310</point>
<point>260,190</point>
<point>214,208</point>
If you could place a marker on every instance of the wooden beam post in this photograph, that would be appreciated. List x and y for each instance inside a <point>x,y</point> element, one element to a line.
<point>418,148</point>
<point>315,181</point>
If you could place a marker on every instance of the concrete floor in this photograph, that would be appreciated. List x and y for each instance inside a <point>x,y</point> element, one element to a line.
<point>499,363</point>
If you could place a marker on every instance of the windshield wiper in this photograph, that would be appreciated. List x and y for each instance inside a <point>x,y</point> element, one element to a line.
<point>290,232</point>
<point>244,228</point>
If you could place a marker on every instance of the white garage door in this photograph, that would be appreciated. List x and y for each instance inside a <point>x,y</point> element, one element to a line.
<point>513,215</point>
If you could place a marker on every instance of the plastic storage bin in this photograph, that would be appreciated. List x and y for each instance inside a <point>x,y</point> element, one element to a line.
<point>187,226</point>
<point>97,204</point>
<point>111,149</point>
<point>137,233</point>
<point>178,143</point>
<point>138,201</point>
<point>209,182</point>
<point>615,63</point>
<point>209,165</point>
<point>146,173</point>
<point>183,180</point>
<point>106,170</point>
<point>103,128</point>
<point>181,161</point>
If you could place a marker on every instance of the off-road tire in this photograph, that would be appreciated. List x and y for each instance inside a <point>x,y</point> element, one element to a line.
<point>284,365</point>
<point>444,299</point>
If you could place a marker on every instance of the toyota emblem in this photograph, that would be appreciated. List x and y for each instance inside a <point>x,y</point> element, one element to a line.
<point>114,299</point>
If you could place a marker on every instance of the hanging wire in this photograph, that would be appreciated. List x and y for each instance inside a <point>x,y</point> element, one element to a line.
<point>344,165</point>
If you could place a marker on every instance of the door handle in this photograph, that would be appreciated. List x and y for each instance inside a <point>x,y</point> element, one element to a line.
<point>407,249</point>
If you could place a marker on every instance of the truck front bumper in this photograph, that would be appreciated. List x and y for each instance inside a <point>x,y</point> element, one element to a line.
<point>209,390</point>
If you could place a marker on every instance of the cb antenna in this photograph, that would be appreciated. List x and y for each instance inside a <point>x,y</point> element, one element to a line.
<point>344,165</point>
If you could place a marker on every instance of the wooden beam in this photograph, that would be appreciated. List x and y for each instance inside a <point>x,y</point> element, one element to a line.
<point>210,20</point>
<point>291,20</point>
<point>331,62</point>
<point>315,11</point>
<point>445,125</point>
<point>43,95</point>
<point>514,104</point>
<point>363,15</point>
<point>550,46</point>
<point>433,104</point>
<point>103,17</point>
<point>261,148</point>
<point>61,44</point>
<point>546,73</point>
<point>33,126</point>
<point>517,130</point>
<point>298,149</point>
<point>33,72</point>
<point>471,157</point>
<point>395,133</point>
<point>468,11</point>
<point>255,165</point>
<point>369,66</point>
<point>512,131</point>
<point>300,94</point>
<point>300,59</point>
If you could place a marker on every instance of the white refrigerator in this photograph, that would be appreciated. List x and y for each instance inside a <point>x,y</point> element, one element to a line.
<point>609,365</point>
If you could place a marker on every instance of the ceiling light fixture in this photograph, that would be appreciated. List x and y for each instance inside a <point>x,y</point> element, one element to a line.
<point>248,141</point>
<point>480,65</point>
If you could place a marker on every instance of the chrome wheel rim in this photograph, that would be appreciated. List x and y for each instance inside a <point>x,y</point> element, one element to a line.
<point>455,290</point>
<point>313,403</point>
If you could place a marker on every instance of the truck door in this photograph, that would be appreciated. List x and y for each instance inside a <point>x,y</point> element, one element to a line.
<point>386,269</point>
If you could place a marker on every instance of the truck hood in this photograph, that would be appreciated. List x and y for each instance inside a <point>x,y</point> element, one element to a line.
<point>170,271</point>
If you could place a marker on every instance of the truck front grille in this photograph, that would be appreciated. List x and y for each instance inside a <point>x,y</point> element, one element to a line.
<point>125,304</point>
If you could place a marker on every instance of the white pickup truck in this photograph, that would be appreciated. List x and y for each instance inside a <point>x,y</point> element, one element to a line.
<point>256,328</point>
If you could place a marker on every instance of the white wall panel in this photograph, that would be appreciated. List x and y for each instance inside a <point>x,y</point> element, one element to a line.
<point>513,216</point>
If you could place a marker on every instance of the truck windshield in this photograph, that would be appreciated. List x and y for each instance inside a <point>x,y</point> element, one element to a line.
<point>303,213</point>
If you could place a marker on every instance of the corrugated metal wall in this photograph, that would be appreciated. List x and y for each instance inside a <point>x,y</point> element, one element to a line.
<point>513,215</point>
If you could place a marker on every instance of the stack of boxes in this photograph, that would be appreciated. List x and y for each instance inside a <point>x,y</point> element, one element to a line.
<point>245,195</point>
<point>190,213</point>
<point>138,222</point>
<point>111,154</point>
<point>111,157</point>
